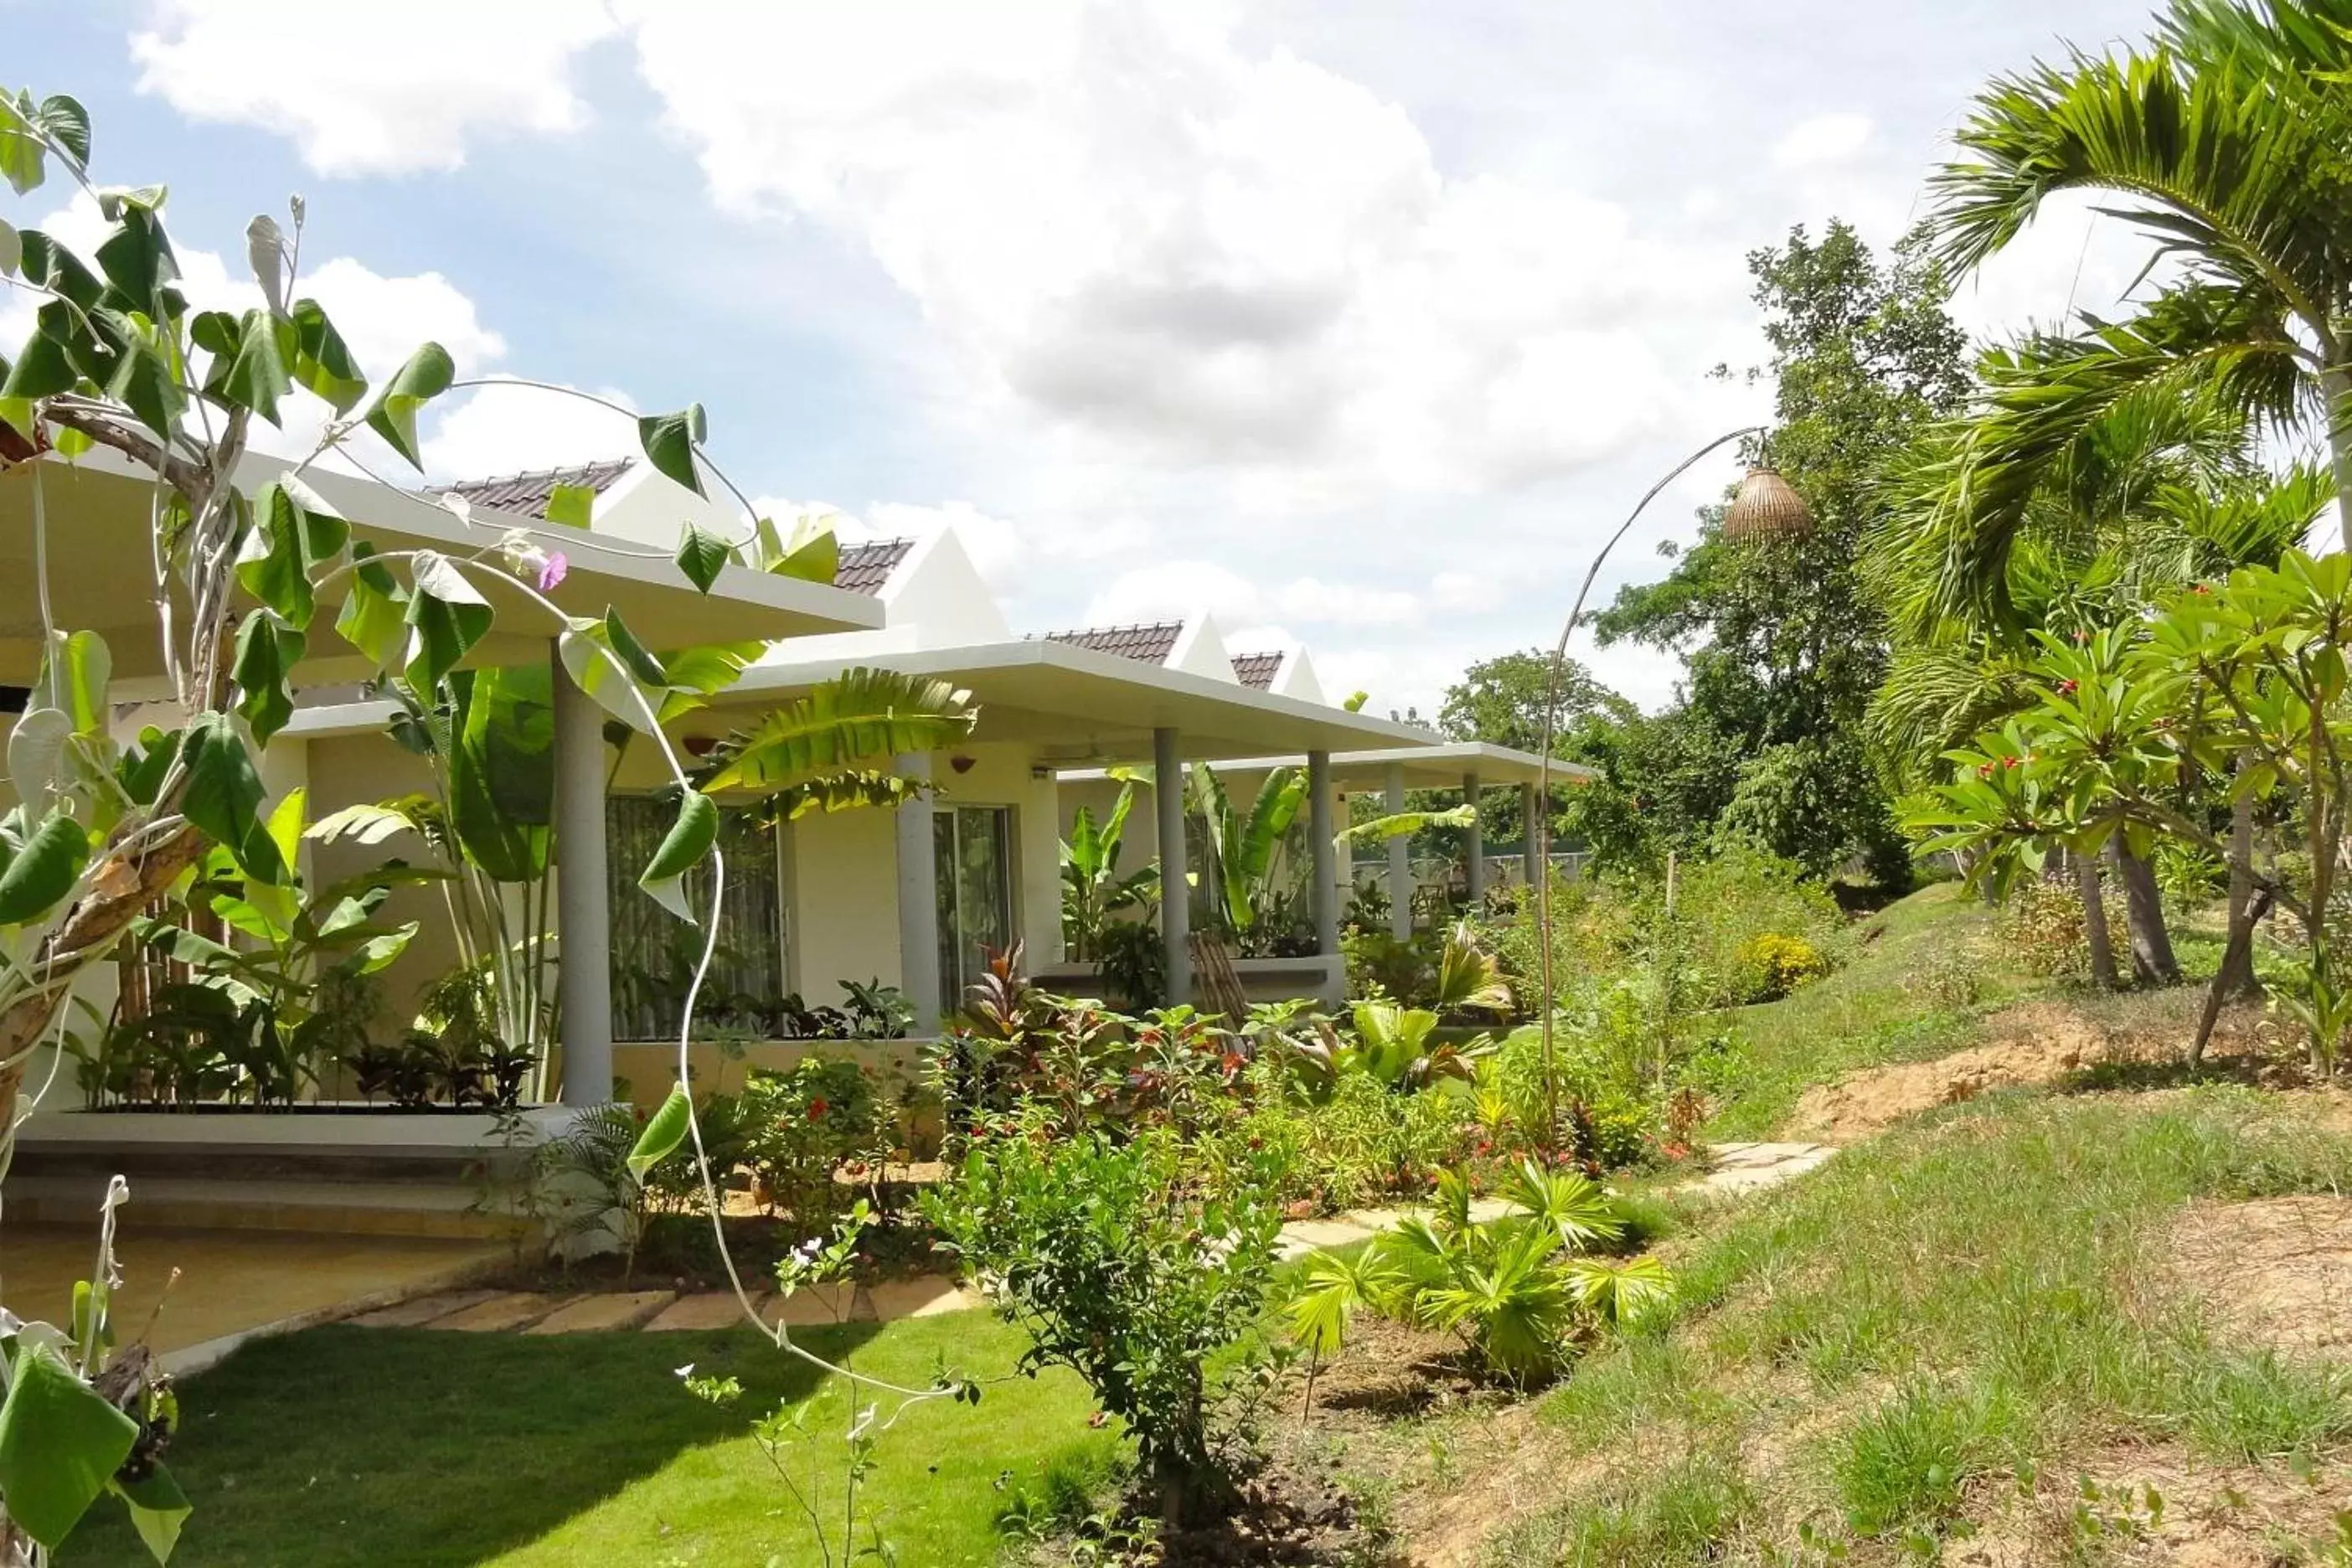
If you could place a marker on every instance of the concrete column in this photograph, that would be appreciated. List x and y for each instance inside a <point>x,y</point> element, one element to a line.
<point>1323,878</point>
<point>1400,861</point>
<point>583,919</point>
<point>1531,833</point>
<point>1475,851</point>
<point>918,900</point>
<point>1175,894</point>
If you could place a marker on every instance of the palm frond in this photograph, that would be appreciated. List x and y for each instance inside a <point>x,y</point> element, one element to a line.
<point>857,719</point>
<point>2220,174</point>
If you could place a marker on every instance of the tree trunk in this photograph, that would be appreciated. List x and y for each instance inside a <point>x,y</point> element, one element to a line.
<point>2151,947</point>
<point>2337,388</point>
<point>2236,977</point>
<point>2094,921</point>
<point>2240,951</point>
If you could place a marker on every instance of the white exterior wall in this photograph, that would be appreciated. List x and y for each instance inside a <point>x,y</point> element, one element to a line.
<point>1200,649</point>
<point>646,506</point>
<point>1297,678</point>
<point>350,769</point>
<point>935,598</point>
<point>841,917</point>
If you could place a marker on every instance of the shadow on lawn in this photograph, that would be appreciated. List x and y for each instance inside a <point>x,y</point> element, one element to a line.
<point>426,1449</point>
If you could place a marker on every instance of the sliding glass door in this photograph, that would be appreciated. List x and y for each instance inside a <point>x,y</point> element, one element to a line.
<point>974,847</point>
<point>654,952</point>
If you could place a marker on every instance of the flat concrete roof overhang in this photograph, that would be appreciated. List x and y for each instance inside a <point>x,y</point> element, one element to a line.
<point>1078,707</point>
<point>102,579</point>
<point>1439,765</point>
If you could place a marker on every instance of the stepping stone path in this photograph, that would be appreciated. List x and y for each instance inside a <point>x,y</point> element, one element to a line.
<point>617,1310</point>
<point>1739,1169</point>
<point>1749,1167</point>
<point>500,1313</point>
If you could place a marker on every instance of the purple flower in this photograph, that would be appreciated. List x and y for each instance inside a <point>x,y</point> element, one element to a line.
<point>553,571</point>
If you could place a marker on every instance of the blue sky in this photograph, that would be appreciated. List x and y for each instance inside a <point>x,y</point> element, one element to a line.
<point>1359,324</point>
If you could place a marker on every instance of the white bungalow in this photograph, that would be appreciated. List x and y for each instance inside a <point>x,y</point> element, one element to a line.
<point>913,896</point>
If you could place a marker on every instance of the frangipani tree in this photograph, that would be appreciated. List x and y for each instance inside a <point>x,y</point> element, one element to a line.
<point>245,584</point>
<point>2236,688</point>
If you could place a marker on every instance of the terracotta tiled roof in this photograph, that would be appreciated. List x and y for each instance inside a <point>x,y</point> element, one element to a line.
<point>528,493</point>
<point>864,568</point>
<point>1148,643</point>
<point>1258,670</point>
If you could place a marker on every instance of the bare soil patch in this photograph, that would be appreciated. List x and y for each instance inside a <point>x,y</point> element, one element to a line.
<point>2154,1504</point>
<point>2275,1270</point>
<point>2043,1043</point>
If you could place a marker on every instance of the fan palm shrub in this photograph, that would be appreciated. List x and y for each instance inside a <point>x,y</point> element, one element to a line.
<point>1520,1292</point>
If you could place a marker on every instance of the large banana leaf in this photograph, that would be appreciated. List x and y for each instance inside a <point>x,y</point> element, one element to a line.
<point>502,769</point>
<point>855,719</point>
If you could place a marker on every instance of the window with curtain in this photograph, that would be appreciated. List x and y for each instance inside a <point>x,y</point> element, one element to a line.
<point>654,952</point>
<point>973,849</point>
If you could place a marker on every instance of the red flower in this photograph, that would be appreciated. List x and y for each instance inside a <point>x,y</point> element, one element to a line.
<point>2066,686</point>
<point>2201,588</point>
<point>816,1108</point>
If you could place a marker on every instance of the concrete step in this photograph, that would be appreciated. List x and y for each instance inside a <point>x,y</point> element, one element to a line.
<point>355,1208</point>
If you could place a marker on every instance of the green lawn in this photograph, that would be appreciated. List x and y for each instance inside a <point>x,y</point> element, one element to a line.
<point>404,1448</point>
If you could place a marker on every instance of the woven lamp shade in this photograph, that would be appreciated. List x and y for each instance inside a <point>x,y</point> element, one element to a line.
<point>1766,510</point>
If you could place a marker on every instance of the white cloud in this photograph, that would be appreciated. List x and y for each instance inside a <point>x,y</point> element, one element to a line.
<point>372,89</point>
<point>505,430</point>
<point>1119,220</point>
<point>1174,589</point>
<point>1824,140</point>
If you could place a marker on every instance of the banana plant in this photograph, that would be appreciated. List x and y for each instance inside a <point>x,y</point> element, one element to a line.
<point>1244,872</point>
<point>829,749</point>
<point>1093,890</point>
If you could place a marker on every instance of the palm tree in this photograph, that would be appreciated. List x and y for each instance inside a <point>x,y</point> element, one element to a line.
<point>2229,136</point>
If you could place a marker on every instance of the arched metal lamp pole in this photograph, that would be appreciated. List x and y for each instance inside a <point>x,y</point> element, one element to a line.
<point>1765,509</point>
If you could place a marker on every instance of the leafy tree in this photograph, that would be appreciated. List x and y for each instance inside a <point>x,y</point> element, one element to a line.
<point>1093,890</point>
<point>1784,646</point>
<point>2244,680</point>
<point>1501,700</point>
<point>2163,490</point>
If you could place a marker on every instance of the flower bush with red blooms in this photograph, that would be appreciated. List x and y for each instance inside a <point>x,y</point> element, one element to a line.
<point>805,1123</point>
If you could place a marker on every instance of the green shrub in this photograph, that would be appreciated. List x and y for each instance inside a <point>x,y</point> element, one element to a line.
<point>1361,1145</point>
<point>1382,965</point>
<point>2041,928</point>
<point>798,1126</point>
<point>1120,1268</point>
<point>1769,966</point>
<point>1610,1119</point>
<point>1724,906</point>
<point>1518,1291</point>
<point>1952,976</point>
